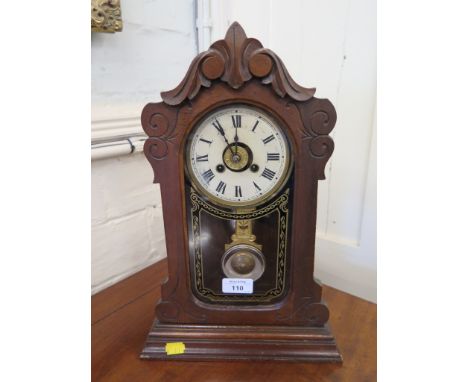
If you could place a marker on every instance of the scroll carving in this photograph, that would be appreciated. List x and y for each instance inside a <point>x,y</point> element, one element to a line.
<point>171,312</point>
<point>205,67</point>
<point>308,313</point>
<point>158,121</point>
<point>235,60</point>
<point>319,118</point>
<point>168,311</point>
<point>278,76</point>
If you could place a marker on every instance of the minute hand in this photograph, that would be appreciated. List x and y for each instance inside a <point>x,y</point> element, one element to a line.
<point>218,127</point>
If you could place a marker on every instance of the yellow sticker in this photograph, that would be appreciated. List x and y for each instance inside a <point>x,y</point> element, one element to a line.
<point>175,348</point>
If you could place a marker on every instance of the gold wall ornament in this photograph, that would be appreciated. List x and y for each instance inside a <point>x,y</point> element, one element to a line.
<point>106,16</point>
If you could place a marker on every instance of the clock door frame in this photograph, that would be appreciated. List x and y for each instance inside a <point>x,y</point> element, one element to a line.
<point>239,70</point>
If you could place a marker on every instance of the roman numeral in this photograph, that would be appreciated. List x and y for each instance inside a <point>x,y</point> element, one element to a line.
<point>255,126</point>
<point>267,173</point>
<point>257,186</point>
<point>208,175</point>
<point>202,158</point>
<point>206,141</point>
<point>273,156</point>
<point>268,139</point>
<point>238,192</point>
<point>236,120</point>
<point>221,187</point>
<point>218,126</point>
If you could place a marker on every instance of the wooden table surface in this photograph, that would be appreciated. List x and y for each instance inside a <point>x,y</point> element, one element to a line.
<point>122,316</point>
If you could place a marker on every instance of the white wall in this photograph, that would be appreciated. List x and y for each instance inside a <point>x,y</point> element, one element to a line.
<point>130,69</point>
<point>330,45</point>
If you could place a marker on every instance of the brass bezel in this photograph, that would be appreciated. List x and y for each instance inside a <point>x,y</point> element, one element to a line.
<point>233,204</point>
<point>255,273</point>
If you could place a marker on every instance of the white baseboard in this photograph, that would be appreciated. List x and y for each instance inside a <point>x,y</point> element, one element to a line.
<point>115,279</point>
<point>342,267</point>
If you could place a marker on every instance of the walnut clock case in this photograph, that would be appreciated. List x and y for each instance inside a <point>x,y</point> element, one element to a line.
<point>238,148</point>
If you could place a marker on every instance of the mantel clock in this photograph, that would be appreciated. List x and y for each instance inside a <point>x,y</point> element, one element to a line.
<point>238,148</point>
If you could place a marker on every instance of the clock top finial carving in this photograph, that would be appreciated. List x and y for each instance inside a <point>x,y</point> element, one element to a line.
<point>236,60</point>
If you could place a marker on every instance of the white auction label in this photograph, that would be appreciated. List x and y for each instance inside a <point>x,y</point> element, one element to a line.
<point>238,286</point>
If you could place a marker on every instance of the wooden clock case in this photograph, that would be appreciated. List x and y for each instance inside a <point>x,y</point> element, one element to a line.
<point>239,70</point>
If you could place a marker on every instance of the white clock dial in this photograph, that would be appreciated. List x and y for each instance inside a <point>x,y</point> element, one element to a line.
<point>238,156</point>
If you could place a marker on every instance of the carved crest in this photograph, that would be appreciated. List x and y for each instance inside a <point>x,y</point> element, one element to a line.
<point>235,60</point>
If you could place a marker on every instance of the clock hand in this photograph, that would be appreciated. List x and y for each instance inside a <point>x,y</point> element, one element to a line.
<point>236,139</point>
<point>218,127</point>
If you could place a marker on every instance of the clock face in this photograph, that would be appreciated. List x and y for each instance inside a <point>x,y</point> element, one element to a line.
<point>238,156</point>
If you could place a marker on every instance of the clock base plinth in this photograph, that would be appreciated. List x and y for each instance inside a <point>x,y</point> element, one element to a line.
<point>215,342</point>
